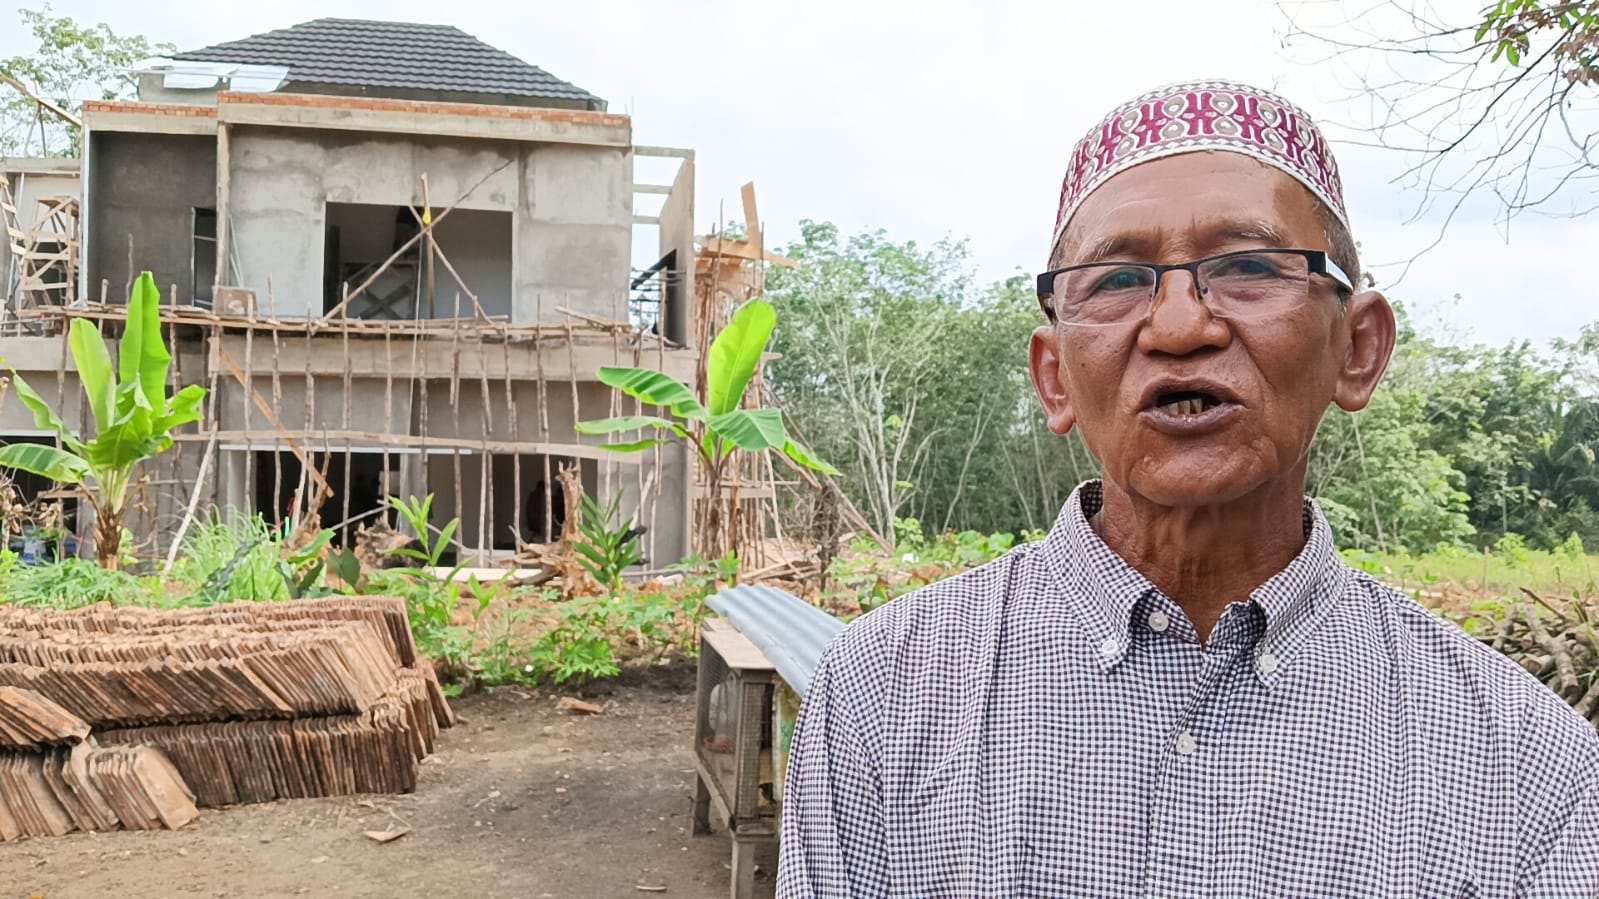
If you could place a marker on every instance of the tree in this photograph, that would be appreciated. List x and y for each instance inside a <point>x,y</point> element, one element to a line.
<point>917,384</point>
<point>864,320</point>
<point>133,415</point>
<point>715,429</point>
<point>72,62</point>
<point>1492,103</point>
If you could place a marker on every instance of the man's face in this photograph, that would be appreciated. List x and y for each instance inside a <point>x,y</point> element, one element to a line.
<point>1267,381</point>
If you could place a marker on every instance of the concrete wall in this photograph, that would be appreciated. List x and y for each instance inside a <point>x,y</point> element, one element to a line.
<point>572,226</point>
<point>479,245</point>
<point>677,233</point>
<point>147,186</point>
<point>575,231</point>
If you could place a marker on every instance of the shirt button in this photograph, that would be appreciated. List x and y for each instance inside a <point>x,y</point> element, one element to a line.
<point>1158,622</point>
<point>1186,743</point>
<point>1110,647</point>
<point>1267,663</point>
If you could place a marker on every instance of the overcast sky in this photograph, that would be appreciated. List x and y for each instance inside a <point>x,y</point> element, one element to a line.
<point>939,118</point>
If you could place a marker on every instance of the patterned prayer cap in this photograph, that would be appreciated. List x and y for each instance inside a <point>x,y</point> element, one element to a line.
<point>1202,115</point>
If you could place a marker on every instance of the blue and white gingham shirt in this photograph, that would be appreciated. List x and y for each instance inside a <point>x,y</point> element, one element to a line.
<point>1049,725</point>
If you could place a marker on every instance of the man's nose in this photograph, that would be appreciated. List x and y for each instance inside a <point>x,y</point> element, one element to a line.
<point>1179,321</point>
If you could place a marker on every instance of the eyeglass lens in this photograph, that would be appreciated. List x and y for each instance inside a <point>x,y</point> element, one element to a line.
<point>1241,285</point>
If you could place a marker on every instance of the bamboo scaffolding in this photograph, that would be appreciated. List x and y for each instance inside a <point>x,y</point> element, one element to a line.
<point>218,462</point>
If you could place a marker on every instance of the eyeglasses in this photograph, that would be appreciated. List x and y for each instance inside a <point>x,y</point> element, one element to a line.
<point>1241,285</point>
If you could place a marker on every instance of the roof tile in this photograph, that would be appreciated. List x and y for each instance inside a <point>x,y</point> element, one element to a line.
<point>404,55</point>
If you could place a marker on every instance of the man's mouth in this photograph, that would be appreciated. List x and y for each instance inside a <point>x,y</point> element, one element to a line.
<point>1186,402</point>
<point>1188,407</point>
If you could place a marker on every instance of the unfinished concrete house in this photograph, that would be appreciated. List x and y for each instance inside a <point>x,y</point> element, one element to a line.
<point>398,257</point>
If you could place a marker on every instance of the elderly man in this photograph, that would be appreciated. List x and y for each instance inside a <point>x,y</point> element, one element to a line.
<point>1182,691</point>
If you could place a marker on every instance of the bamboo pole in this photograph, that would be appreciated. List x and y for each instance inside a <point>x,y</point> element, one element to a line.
<point>455,416</point>
<point>516,458</point>
<point>277,399</point>
<point>194,504</point>
<point>272,419</point>
<point>310,412</point>
<point>544,421</point>
<point>389,489</point>
<point>349,457</point>
<point>422,412</point>
<point>212,421</point>
<point>247,379</point>
<point>485,515</point>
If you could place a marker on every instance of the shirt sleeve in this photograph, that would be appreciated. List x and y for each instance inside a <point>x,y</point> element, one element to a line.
<point>1558,782</point>
<point>1563,861</point>
<point>833,839</point>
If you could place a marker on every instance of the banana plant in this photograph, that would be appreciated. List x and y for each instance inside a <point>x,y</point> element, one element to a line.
<point>134,418</point>
<point>713,429</point>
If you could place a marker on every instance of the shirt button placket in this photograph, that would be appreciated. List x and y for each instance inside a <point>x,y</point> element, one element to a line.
<point>1181,838</point>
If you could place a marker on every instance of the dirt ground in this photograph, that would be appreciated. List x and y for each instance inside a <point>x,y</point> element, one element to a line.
<point>521,800</point>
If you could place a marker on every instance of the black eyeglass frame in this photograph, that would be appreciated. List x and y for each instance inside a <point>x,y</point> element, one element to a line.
<point>1317,260</point>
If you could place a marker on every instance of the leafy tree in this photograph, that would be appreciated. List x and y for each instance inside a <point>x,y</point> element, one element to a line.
<point>917,384</point>
<point>864,324</point>
<point>1482,98</point>
<point>885,345</point>
<point>133,415</point>
<point>71,63</point>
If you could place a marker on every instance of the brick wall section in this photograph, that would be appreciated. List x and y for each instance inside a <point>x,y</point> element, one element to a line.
<point>318,101</point>
<point>169,109</point>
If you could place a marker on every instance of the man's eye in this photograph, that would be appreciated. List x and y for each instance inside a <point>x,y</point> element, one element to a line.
<point>1122,279</point>
<point>1245,267</point>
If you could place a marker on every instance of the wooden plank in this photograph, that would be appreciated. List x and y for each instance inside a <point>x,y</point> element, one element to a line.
<point>377,441</point>
<point>735,649</point>
<point>65,116</point>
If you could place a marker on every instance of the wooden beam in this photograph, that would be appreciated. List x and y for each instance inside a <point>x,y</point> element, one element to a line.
<point>741,249</point>
<point>672,152</point>
<point>375,441</point>
<point>65,116</point>
<point>224,165</point>
<point>375,359</point>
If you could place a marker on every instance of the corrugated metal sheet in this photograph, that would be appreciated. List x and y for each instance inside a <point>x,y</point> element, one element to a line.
<point>789,630</point>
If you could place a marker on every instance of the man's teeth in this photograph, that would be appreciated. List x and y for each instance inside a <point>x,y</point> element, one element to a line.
<point>1183,407</point>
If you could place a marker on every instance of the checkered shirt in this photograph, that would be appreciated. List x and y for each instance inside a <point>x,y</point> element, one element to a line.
<point>1049,725</point>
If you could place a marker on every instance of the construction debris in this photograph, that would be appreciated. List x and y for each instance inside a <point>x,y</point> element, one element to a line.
<point>245,702</point>
<point>1556,641</point>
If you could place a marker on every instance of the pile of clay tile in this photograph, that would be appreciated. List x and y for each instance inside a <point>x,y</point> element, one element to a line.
<point>245,702</point>
<point>53,782</point>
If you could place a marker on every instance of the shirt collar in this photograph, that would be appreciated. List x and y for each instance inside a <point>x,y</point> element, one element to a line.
<point>1293,600</point>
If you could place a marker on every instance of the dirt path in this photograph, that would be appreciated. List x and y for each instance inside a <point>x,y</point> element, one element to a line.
<point>522,800</point>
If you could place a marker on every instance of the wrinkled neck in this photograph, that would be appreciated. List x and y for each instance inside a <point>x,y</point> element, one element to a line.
<point>1206,557</point>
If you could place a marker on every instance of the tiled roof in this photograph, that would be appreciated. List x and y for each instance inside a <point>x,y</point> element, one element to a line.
<point>392,55</point>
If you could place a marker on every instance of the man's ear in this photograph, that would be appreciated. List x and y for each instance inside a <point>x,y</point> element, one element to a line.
<point>1372,334</point>
<point>1047,367</point>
